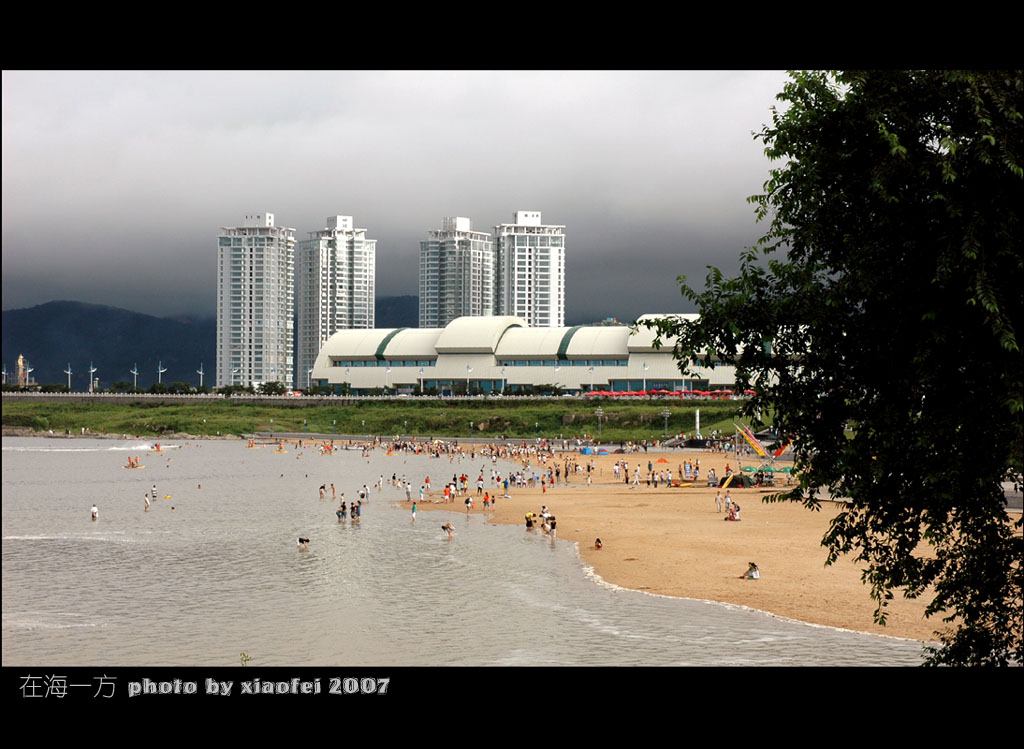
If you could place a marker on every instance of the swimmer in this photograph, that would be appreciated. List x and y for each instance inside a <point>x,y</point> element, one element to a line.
<point>448,528</point>
<point>303,544</point>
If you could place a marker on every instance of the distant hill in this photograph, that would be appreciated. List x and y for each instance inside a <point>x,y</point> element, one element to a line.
<point>51,335</point>
<point>397,312</point>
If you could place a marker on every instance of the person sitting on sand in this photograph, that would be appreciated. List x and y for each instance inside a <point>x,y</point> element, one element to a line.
<point>752,573</point>
<point>598,544</point>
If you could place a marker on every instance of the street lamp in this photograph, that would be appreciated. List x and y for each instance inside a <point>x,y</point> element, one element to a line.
<point>421,380</point>
<point>469,370</point>
<point>536,429</point>
<point>600,413</point>
<point>471,429</point>
<point>666,413</point>
<point>334,429</point>
<point>309,374</point>
<point>591,379</point>
<point>92,371</point>
<point>645,377</point>
<point>502,380</point>
<point>160,369</point>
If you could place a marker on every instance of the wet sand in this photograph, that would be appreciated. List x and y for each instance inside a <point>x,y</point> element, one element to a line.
<point>671,541</point>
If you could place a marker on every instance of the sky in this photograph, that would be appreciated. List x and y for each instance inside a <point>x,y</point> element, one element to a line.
<point>116,183</point>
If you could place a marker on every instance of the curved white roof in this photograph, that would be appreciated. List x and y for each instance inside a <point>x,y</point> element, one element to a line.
<point>527,342</point>
<point>598,342</point>
<point>642,338</point>
<point>413,343</point>
<point>475,335</point>
<point>358,343</point>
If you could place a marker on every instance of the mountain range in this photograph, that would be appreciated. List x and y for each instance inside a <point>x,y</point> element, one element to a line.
<point>52,335</point>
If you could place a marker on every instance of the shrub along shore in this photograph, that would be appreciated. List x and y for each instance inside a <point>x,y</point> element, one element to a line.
<point>478,418</point>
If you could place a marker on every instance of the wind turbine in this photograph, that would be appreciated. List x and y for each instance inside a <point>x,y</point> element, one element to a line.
<point>234,371</point>
<point>200,372</point>
<point>135,376</point>
<point>92,371</point>
<point>28,370</point>
<point>5,374</point>
<point>68,373</point>
<point>160,369</point>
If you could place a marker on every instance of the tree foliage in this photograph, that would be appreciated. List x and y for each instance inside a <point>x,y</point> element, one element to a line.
<point>878,318</point>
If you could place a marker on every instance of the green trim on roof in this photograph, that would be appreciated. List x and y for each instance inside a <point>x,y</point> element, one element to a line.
<point>564,345</point>
<point>384,344</point>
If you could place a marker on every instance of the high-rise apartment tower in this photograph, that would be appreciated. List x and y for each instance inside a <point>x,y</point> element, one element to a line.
<point>335,272</point>
<point>530,271</point>
<point>456,273</point>
<point>255,302</point>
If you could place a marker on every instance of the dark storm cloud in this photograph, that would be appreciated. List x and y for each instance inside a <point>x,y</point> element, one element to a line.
<point>115,184</point>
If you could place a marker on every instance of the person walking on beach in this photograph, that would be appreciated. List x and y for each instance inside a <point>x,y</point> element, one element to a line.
<point>728,502</point>
<point>718,501</point>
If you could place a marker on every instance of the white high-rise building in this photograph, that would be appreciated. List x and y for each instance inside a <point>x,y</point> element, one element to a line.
<point>335,272</point>
<point>530,258</point>
<point>456,273</point>
<point>255,305</point>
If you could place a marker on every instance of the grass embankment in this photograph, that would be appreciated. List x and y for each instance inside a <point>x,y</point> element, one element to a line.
<point>490,418</point>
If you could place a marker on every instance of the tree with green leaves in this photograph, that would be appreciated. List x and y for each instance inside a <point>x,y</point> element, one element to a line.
<point>877,319</point>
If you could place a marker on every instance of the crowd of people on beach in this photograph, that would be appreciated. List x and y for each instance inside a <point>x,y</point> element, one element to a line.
<point>539,467</point>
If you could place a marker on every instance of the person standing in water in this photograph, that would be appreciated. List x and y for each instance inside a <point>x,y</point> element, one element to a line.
<point>147,501</point>
<point>414,512</point>
<point>95,512</point>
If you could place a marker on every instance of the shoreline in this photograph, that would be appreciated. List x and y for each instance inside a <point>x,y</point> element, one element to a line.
<point>671,542</point>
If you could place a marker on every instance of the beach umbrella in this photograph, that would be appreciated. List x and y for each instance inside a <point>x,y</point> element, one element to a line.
<point>747,469</point>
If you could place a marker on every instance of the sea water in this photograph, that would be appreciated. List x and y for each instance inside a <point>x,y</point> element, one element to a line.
<point>221,574</point>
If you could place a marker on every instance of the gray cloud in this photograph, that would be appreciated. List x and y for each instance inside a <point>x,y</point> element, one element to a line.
<point>115,184</point>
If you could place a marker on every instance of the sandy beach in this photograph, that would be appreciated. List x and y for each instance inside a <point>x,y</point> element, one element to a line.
<point>673,542</point>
